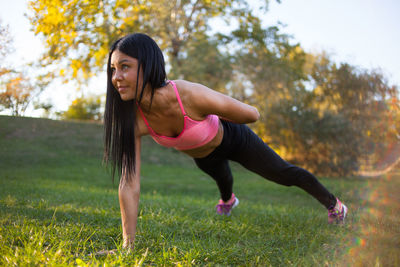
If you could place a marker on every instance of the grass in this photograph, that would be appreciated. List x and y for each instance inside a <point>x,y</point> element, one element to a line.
<point>377,241</point>
<point>58,206</point>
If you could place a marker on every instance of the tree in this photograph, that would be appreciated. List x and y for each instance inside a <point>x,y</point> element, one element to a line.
<point>16,92</point>
<point>84,109</point>
<point>204,62</point>
<point>323,142</point>
<point>359,100</point>
<point>316,113</point>
<point>17,89</point>
<point>78,34</point>
<point>268,67</point>
<point>5,42</point>
<point>5,48</point>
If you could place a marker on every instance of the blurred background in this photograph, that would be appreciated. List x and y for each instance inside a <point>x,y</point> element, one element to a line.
<point>323,74</point>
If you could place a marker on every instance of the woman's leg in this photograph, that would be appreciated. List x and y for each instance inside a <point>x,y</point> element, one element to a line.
<point>255,155</point>
<point>220,171</point>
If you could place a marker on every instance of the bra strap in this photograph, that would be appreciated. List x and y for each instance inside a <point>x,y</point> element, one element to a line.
<point>178,97</point>
<point>144,118</point>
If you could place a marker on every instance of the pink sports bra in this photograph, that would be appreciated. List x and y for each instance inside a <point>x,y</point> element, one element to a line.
<point>194,134</point>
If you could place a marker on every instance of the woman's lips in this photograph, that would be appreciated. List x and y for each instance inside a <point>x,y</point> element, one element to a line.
<point>122,89</point>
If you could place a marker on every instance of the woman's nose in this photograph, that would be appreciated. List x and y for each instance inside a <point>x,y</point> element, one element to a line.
<point>117,76</point>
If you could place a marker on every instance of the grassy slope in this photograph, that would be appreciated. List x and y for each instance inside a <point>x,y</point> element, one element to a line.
<point>58,206</point>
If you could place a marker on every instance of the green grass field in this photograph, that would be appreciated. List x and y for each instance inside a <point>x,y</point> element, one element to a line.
<point>58,206</point>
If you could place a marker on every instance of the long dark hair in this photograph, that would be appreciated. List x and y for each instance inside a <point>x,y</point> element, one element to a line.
<point>119,115</point>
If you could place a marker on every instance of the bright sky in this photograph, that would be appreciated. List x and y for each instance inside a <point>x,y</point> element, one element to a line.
<point>365,33</point>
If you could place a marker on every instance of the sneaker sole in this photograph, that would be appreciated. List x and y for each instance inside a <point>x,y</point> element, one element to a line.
<point>344,212</point>
<point>236,202</point>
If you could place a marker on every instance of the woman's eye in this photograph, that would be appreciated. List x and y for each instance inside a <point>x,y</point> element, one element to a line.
<point>124,67</point>
<point>112,70</point>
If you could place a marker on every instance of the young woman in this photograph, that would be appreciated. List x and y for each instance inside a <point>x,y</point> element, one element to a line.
<point>200,122</point>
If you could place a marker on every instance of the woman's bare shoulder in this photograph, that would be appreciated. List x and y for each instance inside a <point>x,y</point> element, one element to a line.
<point>187,85</point>
<point>191,90</point>
<point>196,98</point>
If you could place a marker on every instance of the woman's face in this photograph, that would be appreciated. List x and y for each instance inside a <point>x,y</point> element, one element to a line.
<point>124,74</point>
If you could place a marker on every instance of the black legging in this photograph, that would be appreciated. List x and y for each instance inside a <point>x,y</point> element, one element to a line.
<point>242,145</point>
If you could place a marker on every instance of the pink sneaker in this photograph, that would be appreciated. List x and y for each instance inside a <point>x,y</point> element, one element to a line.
<point>224,208</point>
<point>338,213</point>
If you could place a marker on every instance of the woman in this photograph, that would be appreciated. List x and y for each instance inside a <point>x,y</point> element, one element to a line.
<point>200,122</point>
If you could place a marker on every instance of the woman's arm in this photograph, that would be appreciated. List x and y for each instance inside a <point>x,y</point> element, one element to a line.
<point>128,193</point>
<point>207,101</point>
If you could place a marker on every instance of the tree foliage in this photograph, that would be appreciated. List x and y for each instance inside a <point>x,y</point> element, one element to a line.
<point>17,87</point>
<point>345,114</point>
<point>78,34</point>
<point>82,108</point>
<point>5,42</point>
<point>316,113</point>
<point>16,92</point>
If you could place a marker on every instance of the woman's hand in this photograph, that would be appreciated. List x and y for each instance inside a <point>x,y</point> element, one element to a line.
<point>128,244</point>
<point>106,252</point>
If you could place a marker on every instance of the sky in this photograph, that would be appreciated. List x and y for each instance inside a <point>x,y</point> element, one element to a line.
<point>363,33</point>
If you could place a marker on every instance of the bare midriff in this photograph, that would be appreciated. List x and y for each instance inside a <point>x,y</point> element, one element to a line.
<point>203,151</point>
